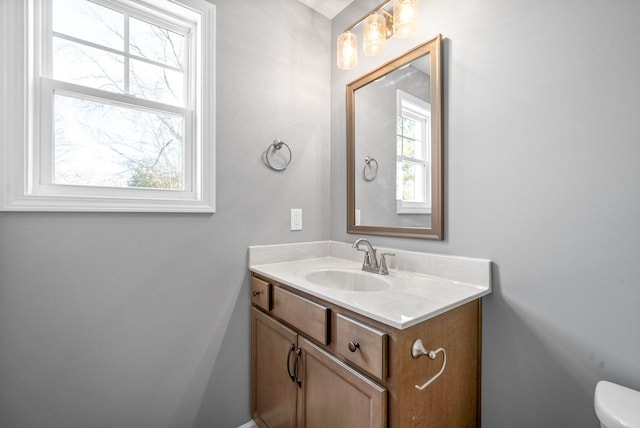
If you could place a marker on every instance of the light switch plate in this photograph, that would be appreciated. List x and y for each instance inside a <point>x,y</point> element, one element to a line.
<point>296,219</point>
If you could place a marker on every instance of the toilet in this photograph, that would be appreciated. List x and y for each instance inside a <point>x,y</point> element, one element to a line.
<point>617,406</point>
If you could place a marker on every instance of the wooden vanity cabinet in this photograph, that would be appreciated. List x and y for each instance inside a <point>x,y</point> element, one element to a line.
<point>335,395</point>
<point>301,378</point>
<point>297,384</point>
<point>273,391</point>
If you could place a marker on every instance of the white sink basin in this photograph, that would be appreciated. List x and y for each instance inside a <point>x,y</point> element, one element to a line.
<point>347,280</point>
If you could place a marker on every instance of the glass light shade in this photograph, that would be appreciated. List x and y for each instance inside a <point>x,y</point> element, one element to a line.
<point>375,34</point>
<point>347,51</point>
<point>405,17</point>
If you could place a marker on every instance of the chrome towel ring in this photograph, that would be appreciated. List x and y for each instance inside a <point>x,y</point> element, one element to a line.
<point>271,158</point>
<point>370,169</point>
<point>418,350</point>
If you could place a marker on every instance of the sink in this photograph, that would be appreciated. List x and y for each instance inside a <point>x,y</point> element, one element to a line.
<point>347,280</point>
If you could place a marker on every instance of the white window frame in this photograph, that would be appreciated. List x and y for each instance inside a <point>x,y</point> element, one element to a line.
<point>411,106</point>
<point>26,93</point>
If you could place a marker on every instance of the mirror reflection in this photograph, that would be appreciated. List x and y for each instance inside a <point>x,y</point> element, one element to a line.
<point>395,147</point>
<point>393,131</point>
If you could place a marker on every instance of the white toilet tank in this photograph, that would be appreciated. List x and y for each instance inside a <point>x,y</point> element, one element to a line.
<point>617,406</point>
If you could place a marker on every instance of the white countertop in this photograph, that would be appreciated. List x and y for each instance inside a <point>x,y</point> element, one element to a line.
<point>427,285</point>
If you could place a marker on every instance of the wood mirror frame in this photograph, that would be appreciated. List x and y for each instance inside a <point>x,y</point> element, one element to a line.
<point>435,229</point>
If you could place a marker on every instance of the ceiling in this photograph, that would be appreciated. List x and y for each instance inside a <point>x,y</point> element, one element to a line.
<point>328,8</point>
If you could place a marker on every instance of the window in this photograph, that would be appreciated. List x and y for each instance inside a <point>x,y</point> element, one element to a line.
<point>119,101</point>
<point>413,155</point>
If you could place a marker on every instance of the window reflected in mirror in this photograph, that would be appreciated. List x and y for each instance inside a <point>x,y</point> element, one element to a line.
<point>413,137</point>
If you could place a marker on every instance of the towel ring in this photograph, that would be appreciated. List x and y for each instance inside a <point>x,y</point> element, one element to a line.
<point>418,350</point>
<point>369,164</point>
<point>272,150</point>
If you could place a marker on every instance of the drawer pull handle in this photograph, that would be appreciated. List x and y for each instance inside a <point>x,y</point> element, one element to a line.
<point>291,375</point>
<point>297,367</point>
<point>255,293</point>
<point>353,346</point>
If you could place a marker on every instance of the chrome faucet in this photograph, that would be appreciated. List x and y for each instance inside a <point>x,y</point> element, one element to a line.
<point>370,263</point>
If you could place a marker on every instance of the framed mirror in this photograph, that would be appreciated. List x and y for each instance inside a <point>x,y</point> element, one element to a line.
<point>395,175</point>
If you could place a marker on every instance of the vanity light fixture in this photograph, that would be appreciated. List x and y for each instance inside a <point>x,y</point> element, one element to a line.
<point>405,21</point>
<point>374,34</point>
<point>379,25</point>
<point>347,51</point>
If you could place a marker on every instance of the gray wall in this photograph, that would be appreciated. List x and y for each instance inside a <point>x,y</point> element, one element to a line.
<point>542,145</point>
<point>142,320</point>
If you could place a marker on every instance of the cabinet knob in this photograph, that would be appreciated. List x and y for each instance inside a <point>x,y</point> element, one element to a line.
<point>255,293</point>
<point>353,346</point>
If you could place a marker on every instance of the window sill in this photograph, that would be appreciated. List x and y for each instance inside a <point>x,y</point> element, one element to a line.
<point>403,207</point>
<point>81,204</point>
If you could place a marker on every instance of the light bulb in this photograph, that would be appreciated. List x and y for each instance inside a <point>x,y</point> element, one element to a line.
<point>375,34</point>
<point>347,51</point>
<point>405,18</point>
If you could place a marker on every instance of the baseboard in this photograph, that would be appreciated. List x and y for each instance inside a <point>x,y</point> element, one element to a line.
<point>249,424</point>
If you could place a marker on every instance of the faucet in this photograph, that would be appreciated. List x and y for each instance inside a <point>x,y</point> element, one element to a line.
<point>370,263</point>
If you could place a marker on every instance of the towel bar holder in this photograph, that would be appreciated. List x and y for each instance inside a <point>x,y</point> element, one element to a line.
<point>274,148</point>
<point>418,350</point>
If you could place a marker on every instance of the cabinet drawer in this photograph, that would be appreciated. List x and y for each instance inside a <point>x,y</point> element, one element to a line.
<point>261,293</point>
<point>309,317</point>
<point>362,345</point>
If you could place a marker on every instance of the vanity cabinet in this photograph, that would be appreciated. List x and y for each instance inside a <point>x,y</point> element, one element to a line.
<point>296,383</point>
<point>273,392</point>
<point>317,364</point>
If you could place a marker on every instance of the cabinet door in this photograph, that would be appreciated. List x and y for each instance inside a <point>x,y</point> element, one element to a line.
<point>273,392</point>
<point>334,395</point>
